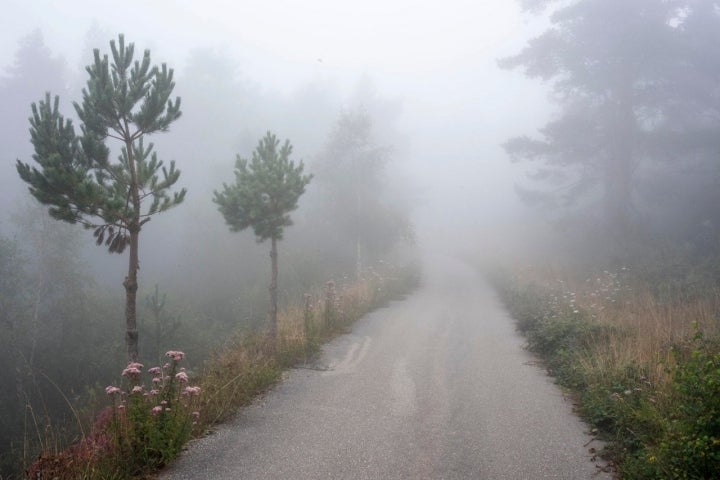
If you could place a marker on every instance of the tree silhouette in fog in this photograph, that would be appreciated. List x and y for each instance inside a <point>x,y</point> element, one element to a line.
<point>631,78</point>
<point>351,172</point>
<point>35,69</point>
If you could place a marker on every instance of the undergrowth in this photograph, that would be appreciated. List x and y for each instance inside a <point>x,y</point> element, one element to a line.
<point>646,377</point>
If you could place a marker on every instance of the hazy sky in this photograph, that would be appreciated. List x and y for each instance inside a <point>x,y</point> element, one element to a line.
<point>438,59</point>
<point>392,37</point>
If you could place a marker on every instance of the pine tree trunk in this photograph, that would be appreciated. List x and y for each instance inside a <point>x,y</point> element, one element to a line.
<point>273,293</point>
<point>131,287</point>
<point>130,283</point>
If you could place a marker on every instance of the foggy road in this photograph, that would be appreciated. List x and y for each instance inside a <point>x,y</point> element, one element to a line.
<point>433,387</point>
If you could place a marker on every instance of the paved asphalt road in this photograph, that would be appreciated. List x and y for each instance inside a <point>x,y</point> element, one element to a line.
<point>433,387</point>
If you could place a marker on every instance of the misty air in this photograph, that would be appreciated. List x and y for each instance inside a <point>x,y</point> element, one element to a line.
<point>360,240</point>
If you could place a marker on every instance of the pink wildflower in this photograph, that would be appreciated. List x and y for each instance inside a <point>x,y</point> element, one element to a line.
<point>181,377</point>
<point>157,380</point>
<point>175,355</point>
<point>196,414</point>
<point>131,371</point>
<point>155,410</point>
<point>137,389</point>
<point>166,366</point>
<point>155,371</point>
<point>154,392</point>
<point>191,391</point>
<point>164,402</point>
<point>112,390</point>
<point>135,365</point>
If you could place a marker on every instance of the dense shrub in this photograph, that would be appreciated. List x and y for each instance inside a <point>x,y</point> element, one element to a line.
<point>690,445</point>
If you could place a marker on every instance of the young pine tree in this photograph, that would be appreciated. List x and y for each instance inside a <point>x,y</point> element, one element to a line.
<point>265,191</point>
<point>125,101</point>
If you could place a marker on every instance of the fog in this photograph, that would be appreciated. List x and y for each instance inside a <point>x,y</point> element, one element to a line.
<point>427,74</point>
<point>501,129</point>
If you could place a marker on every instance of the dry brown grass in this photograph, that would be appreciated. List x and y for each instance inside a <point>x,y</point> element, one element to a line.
<point>247,365</point>
<point>645,328</point>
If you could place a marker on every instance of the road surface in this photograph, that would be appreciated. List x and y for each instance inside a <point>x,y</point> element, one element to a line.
<point>436,386</point>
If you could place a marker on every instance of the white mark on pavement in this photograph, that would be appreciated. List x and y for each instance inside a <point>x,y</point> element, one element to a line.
<point>352,358</point>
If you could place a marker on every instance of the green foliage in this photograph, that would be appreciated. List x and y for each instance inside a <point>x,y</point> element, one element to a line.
<point>265,191</point>
<point>690,446</point>
<point>75,177</point>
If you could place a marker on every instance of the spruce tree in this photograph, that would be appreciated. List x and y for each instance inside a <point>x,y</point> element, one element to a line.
<point>124,101</point>
<point>265,191</point>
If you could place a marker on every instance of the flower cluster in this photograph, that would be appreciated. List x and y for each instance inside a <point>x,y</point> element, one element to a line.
<point>168,386</point>
<point>596,294</point>
<point>154,412</point>
<point>133,370</point>
<point>175,355</point>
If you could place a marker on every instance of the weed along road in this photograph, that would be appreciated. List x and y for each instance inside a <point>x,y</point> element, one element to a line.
<point>436,386</point>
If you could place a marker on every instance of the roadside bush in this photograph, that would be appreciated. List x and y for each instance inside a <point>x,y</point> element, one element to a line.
<point>690,445</point>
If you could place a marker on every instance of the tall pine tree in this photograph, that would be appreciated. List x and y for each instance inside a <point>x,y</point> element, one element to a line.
<point>124,100</point>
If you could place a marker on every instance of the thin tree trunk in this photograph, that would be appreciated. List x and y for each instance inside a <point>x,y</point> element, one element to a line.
<point>130,283</point>
<point>131,287</point>
<point>273,292</point>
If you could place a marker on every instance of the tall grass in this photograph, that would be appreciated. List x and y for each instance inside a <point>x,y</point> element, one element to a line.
<point>645,367</point>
